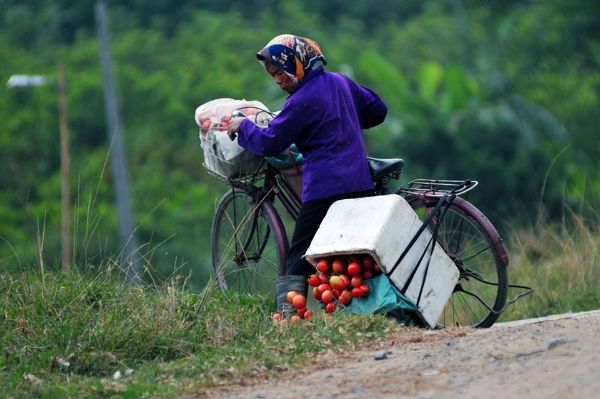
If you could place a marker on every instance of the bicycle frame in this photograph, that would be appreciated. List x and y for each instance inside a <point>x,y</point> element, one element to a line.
<point>274,186</point>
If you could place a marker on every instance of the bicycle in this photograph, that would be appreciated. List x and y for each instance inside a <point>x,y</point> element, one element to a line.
<point>250,244</point>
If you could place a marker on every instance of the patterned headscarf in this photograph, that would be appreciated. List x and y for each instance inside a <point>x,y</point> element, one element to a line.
<point>294,54</point>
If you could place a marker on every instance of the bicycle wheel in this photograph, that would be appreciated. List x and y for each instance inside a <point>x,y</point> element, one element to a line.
<point>249,245</point>
<point>474,245</point>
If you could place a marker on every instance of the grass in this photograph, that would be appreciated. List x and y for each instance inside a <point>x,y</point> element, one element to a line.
<point>562,263</point>
<point>67,336</point>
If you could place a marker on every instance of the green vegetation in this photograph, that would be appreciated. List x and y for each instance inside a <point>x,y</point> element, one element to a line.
<point>503,92</point>
<point>561,262</point>
<point>67,335</point>
<point>506,93</point>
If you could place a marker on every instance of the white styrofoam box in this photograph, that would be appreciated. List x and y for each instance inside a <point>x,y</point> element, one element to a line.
<point>383,226</point>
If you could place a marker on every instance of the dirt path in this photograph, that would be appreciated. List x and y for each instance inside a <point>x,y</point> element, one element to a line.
<point>556,357</point>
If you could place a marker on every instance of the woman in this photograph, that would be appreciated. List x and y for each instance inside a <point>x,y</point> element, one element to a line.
<point>323,116</point>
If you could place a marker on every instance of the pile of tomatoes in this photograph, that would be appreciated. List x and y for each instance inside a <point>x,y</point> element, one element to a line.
<point>338,281</point>
<point>341,279</point>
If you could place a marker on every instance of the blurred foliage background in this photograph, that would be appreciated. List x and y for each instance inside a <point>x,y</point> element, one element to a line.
<point>505,92</point>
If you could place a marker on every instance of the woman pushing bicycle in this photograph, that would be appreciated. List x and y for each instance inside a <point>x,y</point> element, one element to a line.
<point>323,115</point>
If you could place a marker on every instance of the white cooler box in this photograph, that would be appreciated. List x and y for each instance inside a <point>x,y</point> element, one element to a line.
<point>383,226</point>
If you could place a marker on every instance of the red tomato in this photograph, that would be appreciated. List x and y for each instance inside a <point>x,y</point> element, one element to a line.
<point>291,295</point>
<point>324,278</point>
<point>357,293</point>
<point>323,287</point>
<point>354,269</point>
<point>317,294</point>
<point>301,312</point>
<point>368,263</point>
<point>323,266</point>
<point>356,282</point>
<point>277,317</point>
<point>345,280</point>
<point>368,274</point>
<point>308,314</point>
<point>327,296</point>
<point>338,266</point>
<point>295,318</point>
<point>330,307</point>
<point>299,301</point>
<point>365,288</point>
<point>336,282</point>
<point>345,297</point>
<point>314,280</point>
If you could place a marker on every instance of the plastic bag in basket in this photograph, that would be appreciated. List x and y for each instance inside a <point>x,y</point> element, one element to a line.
<point>216,114</point>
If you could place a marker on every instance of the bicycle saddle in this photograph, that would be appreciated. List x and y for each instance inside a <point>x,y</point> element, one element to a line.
<point>382,167</point>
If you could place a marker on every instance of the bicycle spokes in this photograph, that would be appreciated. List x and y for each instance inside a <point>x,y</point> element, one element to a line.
<point>246,255</point>
<point>481,289</point>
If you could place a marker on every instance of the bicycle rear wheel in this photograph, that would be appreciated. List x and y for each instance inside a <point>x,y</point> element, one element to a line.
<point>249,245</point>
<point>474,245</point>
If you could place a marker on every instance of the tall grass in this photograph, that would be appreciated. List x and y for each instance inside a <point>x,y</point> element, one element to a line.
<point>561,262</point>
<point>94,323</point>
<point>67,335</point>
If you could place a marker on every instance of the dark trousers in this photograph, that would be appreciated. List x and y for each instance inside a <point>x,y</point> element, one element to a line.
<point>311,215</point>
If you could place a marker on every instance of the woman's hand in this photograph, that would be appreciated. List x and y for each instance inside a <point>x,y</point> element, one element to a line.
<point>234,127</point>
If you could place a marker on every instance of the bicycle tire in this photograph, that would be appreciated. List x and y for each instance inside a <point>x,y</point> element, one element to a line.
<point>249,245</point>
<point>474,245</point>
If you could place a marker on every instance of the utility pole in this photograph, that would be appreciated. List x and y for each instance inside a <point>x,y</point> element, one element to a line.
<point>65,169</point>
<point>118,164</point>
<point>24,81</point>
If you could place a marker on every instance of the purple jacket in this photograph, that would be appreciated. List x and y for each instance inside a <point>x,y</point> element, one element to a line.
<point>324,118</point>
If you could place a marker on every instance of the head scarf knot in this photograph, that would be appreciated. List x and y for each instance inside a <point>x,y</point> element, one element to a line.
<point>294,54</point>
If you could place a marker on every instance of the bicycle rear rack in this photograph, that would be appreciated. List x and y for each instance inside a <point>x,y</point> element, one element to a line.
<point>438,188</point>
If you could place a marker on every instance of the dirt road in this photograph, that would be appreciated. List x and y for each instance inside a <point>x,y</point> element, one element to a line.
<point>555,357</point>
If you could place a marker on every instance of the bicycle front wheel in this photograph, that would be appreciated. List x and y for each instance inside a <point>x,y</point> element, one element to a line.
<point>474,245</point>
<point>249,245</point>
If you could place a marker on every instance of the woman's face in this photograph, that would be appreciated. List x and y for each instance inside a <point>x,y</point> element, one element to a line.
<point>282,79</point>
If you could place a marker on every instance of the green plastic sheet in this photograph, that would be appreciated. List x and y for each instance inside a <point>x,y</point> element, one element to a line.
<point>385,299</point>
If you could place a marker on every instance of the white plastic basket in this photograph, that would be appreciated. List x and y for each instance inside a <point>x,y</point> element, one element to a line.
<point>228,167</point>
<point>222,157</point>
